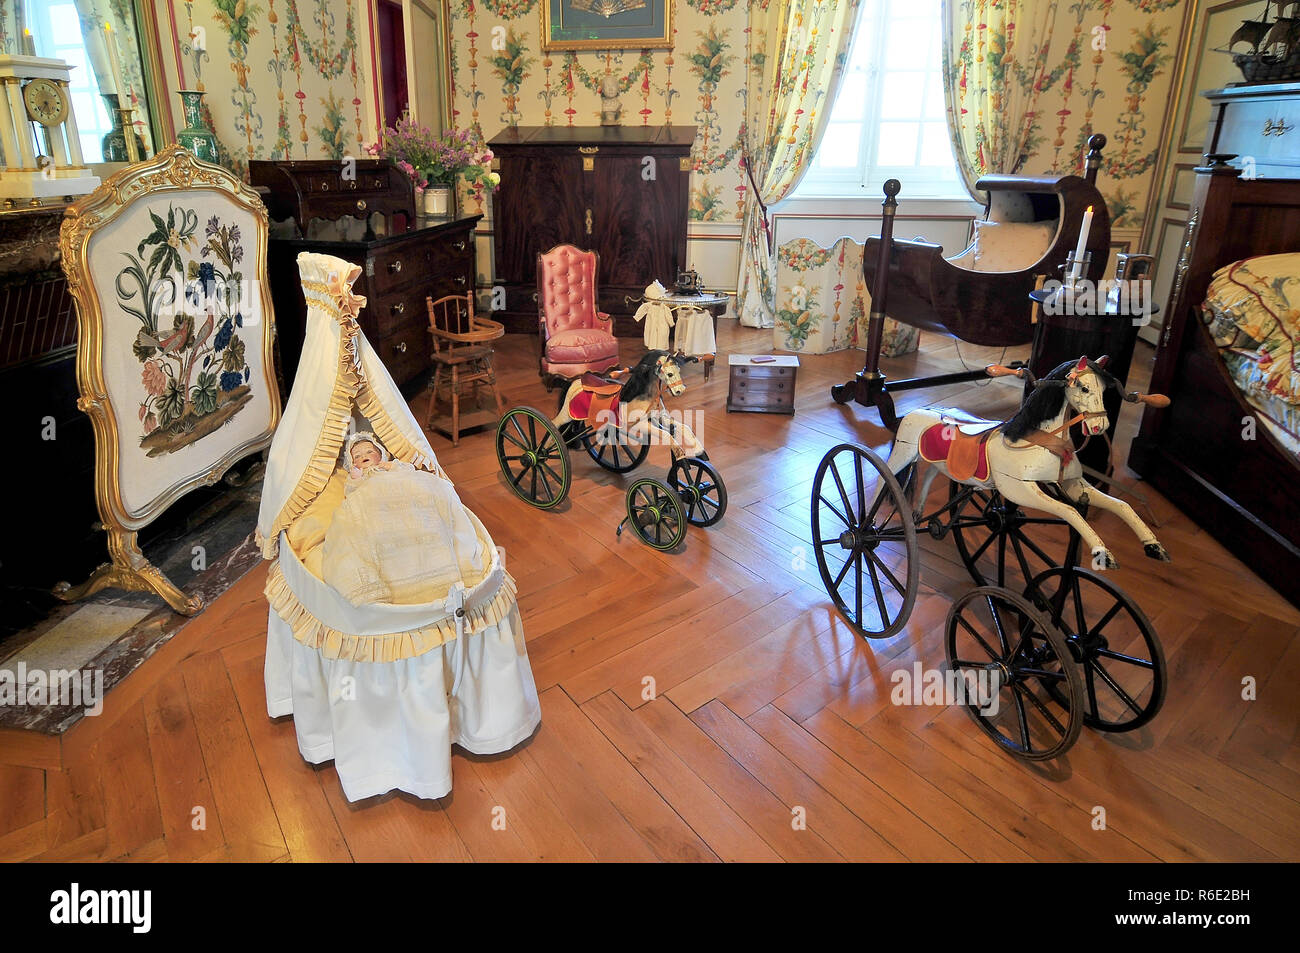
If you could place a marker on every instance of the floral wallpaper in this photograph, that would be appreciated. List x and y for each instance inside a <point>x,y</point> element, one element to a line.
<point>503,78</point>
<point>1109,71</point>
<point>291,79</point>
<point>285,79</point>
<point>1112,72</point>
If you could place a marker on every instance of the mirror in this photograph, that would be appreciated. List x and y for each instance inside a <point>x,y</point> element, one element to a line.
<point>410,83</point>
<point>104,41</point>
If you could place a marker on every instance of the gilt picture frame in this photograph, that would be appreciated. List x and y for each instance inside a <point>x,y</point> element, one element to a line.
<point>166,263</point>
<point>607,25</point>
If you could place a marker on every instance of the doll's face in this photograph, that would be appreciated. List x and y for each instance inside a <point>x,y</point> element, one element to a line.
<point>365,455</point>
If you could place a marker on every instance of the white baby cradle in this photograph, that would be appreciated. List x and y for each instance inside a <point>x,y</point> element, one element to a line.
<point>384,690</point>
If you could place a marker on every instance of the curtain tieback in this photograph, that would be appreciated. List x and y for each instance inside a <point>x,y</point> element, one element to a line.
<point>749,172</point>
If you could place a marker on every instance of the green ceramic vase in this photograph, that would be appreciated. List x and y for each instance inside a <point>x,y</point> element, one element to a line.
<point>113,145</point>
<point>196,137</point>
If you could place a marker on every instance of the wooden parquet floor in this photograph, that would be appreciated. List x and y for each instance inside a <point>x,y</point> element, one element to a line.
<point>768,708</point>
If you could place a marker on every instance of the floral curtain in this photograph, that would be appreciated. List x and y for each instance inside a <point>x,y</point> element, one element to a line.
<point>93,15</point>
<point>797,52</point>
<point>823,303</point>
<point>995,69</point>
<point>11,27</point>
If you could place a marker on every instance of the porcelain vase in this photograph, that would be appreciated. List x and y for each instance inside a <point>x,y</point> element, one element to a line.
<point>196,136</point>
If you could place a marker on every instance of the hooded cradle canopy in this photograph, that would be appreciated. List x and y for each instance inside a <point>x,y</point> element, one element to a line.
<point>342,378</point>
<point>457,665</point>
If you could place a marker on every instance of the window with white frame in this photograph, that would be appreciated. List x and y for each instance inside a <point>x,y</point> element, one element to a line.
<point>888,119</point>
<point>57,32</point>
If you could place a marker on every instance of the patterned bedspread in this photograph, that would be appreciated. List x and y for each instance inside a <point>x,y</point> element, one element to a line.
<point>1252,310</point>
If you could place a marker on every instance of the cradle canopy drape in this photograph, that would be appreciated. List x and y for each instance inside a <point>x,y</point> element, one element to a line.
<point>995,55</point>
<point>797,50</point>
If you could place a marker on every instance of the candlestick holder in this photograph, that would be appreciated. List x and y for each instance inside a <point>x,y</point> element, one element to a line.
<point>1075,269</point>
<point>128,134</point>
<point>1060,298</point>
<point>114,144</point>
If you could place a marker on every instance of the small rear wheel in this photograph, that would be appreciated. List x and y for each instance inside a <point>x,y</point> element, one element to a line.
<point>655,513</point>
<point>533,457</point>
<point>700,488</point>
<point>1010,677</point>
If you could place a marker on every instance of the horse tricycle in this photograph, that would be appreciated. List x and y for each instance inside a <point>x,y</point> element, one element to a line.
<point>1062,645</point>
<point>616,419</point>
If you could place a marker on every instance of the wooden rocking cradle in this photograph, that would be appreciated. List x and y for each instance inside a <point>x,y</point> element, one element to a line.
<point>912,281</point>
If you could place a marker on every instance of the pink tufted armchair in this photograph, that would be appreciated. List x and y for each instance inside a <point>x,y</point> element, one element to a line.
<point>576,338</point>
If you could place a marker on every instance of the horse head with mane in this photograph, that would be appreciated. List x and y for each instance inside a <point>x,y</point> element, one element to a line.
<point>1033,447</point>
<point>626,403</point>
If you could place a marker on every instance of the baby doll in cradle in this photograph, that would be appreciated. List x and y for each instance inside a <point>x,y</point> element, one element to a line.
<point>401,535</point>
<point>364,451</point>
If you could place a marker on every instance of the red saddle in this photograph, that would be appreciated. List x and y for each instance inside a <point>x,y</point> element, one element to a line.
<point>965,453</point>
<point>598,396</point>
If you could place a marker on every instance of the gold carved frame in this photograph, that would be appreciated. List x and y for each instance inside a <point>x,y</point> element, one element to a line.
<point>173,169</point>
<point>664,42</point>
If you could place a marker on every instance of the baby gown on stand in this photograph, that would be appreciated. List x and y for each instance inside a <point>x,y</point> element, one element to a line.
<point>658,317</point>
<point>384,689</point>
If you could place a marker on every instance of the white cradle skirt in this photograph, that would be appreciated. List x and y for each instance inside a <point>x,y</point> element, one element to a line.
<point>391,725</point>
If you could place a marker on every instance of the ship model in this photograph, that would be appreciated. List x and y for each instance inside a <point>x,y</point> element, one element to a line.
<point>1274,54</point>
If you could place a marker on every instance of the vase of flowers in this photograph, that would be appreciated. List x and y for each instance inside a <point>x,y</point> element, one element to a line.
<point>435,162</point>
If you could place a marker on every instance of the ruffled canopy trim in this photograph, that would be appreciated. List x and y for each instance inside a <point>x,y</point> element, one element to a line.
<point>350,387</point>
<point>389,647</point>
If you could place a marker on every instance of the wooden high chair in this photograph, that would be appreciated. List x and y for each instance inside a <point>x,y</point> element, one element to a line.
<point>462,355</point>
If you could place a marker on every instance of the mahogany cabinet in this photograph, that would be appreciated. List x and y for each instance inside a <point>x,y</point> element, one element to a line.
<point>621,191</point>
<point>416,257</point>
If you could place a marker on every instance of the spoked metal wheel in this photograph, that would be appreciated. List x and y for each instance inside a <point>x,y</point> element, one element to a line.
<point>655,514</point>
<point>1110,637</point>
<point>865,541</point>
<point>1006,658</point>
<point>614,449</point>
<point>700,488</point>
<point>1001,544</point>
<point>533,457</point>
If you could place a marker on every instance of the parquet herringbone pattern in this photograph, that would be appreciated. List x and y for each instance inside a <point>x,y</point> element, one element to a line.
<point>767,708</point>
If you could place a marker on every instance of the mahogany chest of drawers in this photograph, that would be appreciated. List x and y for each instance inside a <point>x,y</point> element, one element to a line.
<point>413,259</point>
<point>766,387</point>
<point>321,188</point>
<point>397,273</point>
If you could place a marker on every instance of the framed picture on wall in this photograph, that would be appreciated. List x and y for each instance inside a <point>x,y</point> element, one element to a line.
<point>607,24</point>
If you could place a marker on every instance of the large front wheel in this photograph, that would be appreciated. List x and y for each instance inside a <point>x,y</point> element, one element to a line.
<point>864,540</point>
<point>533,457</point>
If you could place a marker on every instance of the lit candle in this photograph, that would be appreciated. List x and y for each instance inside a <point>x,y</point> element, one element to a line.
<point>1076,272</point>
<point>29,43</point>
<point>114,65</point>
